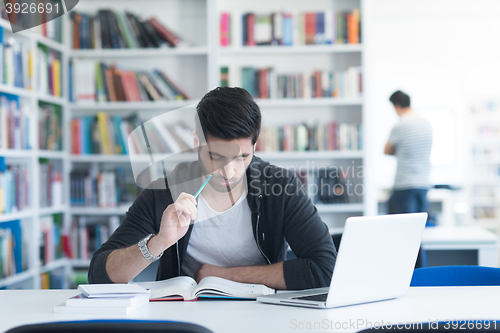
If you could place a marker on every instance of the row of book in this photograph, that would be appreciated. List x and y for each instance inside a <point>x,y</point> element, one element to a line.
<point>51,29</point>
<point>54,280</point>
<point>331,185</point>
<point>111,188</point>
<point>485,213</point>
<point>14,191</point>
<point>320,137</point>
<point>119,30</point>
<point>16,123</point>
<point>16,60</point>
<point>106,134</point>
<point>490,151</point>
<point>50,128</point>
<point>94,81</point>
<point>89,233</point>
<point>51,184</point>
<point>13,248</point>
<point>49,71</point>
<point>491,107</point>
<point>267,83</point>
<point>54,240</point>
<point>304,28</point>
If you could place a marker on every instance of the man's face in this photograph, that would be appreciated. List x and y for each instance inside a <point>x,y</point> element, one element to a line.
<point>227,161</point>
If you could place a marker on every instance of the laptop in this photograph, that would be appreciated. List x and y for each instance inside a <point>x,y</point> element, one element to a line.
<point>375,262</point>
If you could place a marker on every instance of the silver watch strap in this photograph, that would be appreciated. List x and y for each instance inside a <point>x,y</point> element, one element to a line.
<point>143,246</point>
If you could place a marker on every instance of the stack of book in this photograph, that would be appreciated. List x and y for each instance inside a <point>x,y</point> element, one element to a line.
<point>106,298</point>
<point>16,123</point>
<point>119,30</point>
<point>266,83</point>
<point>306,28</point>
<point>14,187</point>
<point>321,137</point>
<point>49,71</point>
<point>15,60</point>
<point>93,81</point>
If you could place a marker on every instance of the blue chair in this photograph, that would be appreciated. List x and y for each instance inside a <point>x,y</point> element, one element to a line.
<point>111,326</point>
<point>455,276</point>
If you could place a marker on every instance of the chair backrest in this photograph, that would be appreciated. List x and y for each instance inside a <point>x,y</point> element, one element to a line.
<point>455,276</point>
<point>111,326</point>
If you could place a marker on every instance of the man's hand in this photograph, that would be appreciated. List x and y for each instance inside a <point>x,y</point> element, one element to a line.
<point>389,149</point>
<point>209,270</point>
<point>175,221</point>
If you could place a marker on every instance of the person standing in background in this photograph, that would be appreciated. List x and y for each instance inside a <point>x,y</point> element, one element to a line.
<point>411,142</point>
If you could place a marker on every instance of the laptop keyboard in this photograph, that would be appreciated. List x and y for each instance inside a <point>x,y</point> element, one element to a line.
<point>317,297</point>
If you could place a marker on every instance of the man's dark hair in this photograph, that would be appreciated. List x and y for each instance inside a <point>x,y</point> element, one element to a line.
<point>229,113</point>
<point>400,98</point>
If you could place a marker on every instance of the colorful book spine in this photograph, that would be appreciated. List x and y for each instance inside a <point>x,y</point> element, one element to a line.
<point>13,256</point>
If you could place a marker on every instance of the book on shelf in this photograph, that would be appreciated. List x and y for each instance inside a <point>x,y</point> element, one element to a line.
<point>51,186</point>
<point>93,81</point>
<point>331,136</point>
<point>108,188</point>
<point>49,71</point>
<point>50,127</point>
<point>109,135</point>
<point>295,28</point>
<point>53,238</point>
<point>16,62</point>
<point>14,187</point>
<point>51,29</point>
<point>13,247</point>
<point>16,123</point>
<point>54,280</point>
<point>185,288</point>
<point>110,29</point>
<point>266,83</point>
<point>88,233</point>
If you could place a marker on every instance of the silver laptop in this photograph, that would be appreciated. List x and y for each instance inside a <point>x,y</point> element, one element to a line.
<point>375,262</point>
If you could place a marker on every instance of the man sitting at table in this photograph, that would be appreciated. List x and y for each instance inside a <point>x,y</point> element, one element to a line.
<point>243,219</point>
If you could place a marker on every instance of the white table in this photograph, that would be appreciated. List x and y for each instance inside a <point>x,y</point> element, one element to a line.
<point>420,305</point>
<point>464,238</point>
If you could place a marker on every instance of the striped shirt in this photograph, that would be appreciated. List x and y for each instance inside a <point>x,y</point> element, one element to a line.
<point>412,139</point>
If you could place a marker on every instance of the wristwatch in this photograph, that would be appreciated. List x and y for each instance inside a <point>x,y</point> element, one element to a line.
<point>143,246</point>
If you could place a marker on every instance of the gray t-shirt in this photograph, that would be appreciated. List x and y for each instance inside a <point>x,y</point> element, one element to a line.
<point>412,138</point>
<point>222,239</point>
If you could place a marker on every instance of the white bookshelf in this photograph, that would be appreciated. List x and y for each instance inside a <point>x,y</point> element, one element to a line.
<point>484,168</point>
<point>30,278</point>
<point>197,21</point>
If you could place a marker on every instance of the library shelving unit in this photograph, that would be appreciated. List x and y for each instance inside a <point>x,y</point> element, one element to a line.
<point>484,168</point>
<point>196,67</point>
<point>31,216</point>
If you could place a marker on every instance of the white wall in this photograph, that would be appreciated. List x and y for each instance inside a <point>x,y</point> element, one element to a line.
<point>444,54</point>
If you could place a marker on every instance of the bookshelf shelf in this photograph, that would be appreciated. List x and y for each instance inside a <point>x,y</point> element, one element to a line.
<point>17,153</point>
<point>16,216</point>
<point>17,278</point>
<point>309,102</point>
<point>121,210</point>
<point>52,210</point>
<point>51,43</point>
<point>56,264</point>
<point>80,263</point>
<point>140,53</point>
<point>15,91</point>
<point>51,99</point>
<point>131,106</point>
<point>340,208</point>
<point>288,50</point>
<point>52,154</point>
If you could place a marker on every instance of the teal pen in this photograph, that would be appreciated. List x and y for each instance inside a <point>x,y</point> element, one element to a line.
<point>202,187</point>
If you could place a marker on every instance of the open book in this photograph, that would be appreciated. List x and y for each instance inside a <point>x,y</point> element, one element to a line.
<point>186,288</point>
